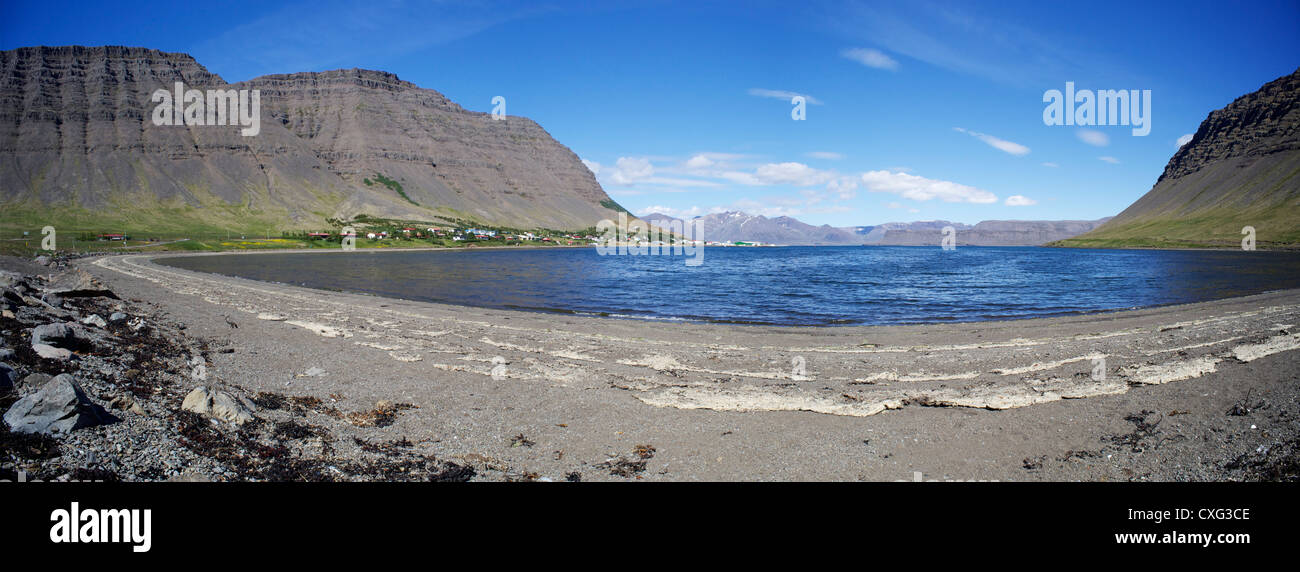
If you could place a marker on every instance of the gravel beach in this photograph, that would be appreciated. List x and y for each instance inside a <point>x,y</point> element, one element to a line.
<point>350,387</point>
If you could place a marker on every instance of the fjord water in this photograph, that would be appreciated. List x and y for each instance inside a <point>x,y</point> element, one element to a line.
<point>784,285</point>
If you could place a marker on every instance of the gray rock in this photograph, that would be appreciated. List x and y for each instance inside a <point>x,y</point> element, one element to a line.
<point>76,284</point>
<point>55,334</point>
<point>219,404</point>
<point>43,260</point>
<point>33,382</point>
<point>50,352</point>
<point>117,318</point>
<point>8,278</point>
<point>58,408</point>
<point>6,353</point>
<point>95,320</point>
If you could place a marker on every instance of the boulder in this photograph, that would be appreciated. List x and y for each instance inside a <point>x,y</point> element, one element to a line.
<point>47,351</point>
<point>55,334</point>
<point>59,407</point>
<point>219,404</point>
<point>76,284</point>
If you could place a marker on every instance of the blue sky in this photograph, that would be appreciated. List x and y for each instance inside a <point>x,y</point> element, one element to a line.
<point>915,110</point>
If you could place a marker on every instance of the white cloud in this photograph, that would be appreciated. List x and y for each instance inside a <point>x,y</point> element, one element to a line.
<point>871,58</point>
<point>782,94</point>
<point>1093,137</point>
<point>1109,159</point>
<point>1050,164</point>
<point>699,162</point>
<point>785,205</point>
<point>628,170</point>
<point>1185,139</point>
<point>828,155</point>
<point>920,188</point>
<point>792,173</point>
<point>1020,201</point>
<point>996,143</point>
<point>641,171</point>
<point>705,164</point>
<point>844,187</point>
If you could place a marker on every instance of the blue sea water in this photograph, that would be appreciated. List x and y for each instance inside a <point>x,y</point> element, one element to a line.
<point>784,285</point>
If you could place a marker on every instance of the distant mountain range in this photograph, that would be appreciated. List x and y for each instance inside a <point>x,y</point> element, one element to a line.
<point>738,226</point>
<point>78,146</point>
<point>985,233</point>
<point>1241,168</point>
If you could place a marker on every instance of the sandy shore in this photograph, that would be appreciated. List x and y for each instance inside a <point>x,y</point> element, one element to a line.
<point>1195,392</point>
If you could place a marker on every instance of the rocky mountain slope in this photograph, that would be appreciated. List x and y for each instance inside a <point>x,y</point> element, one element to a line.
<point>78,149</point>
<point>1242,168</point>
<point>365,124</point>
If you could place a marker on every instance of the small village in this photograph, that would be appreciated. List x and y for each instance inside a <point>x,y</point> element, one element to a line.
<point>452,236</point>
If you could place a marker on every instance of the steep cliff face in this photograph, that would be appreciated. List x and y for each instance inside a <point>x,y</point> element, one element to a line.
<point>1241,168</point>
<point>78,146</point>
<point>366,123</point>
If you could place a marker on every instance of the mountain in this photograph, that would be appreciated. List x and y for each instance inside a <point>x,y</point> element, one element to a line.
<point>783,230</point>
<point>466,164</point>
<point>1241,168</point>
<point>985,233</point>
<point>78,148</point>
<point>734,226</point>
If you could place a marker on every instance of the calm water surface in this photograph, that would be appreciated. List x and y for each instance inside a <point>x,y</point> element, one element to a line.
<point>789,285</point>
